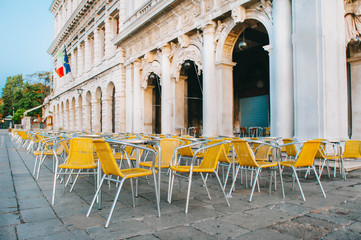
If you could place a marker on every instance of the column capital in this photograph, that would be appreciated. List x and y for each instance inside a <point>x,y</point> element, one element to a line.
<point>209,27</point>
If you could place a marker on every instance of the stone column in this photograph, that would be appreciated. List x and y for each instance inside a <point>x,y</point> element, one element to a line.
<point>180,111</point>
<point>95,114</point>
<point>97,46</point>
<point>167,93</point>
<point>281,84</point>
<point>79,114</point>
<point>109,34</point>
<point>87,55</point>
<point>107,115</point>
<point>320,69</point>
<point>138,100</point>
<point>224,74</point>
<point>80,60</point>
<point>87,118</point>
<point>210,116</point>
<point>129,97</point>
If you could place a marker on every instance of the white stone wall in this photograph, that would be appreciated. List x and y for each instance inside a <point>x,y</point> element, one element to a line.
<point>119,43</point>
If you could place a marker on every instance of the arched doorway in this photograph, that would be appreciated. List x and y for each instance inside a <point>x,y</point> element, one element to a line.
<point>189,99</point>
<point>251,92</point>
<point>152,105</point>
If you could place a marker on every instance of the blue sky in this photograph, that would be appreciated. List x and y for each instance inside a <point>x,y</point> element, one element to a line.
<point>26,33</point>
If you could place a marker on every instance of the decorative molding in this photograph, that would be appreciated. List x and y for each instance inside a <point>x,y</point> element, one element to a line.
<point>239,14</point>
<point>183,41</point>
<point>266,8</point>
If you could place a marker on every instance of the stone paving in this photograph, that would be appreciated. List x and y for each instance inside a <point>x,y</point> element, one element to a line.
<point>26,212</point>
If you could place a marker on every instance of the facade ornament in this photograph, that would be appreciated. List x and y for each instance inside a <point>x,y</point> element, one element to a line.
<point>218,34</point>
<point>239,14</point>
<point>209,4</point>
<point>183,40</point>
<point>266,8</point>
<point>149,57</point>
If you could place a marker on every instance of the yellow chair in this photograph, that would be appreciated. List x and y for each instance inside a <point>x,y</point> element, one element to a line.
<point>110,167</point>
<point>290,148</point>
<point>80,158</point>
<point>323,155</point>
<point>247,161</point>
<point>304,161</point>
<point>166,153</point>
<point>208,165</point>
<point>45,149</point>
<point>352,151</point>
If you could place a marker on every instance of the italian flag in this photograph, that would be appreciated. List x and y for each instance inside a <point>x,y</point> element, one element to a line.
<point>60,65</point>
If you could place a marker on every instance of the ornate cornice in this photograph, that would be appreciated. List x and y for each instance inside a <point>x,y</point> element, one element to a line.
<point>70,24</point>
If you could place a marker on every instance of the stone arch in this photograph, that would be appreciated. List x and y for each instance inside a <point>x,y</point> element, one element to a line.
<point>229,31</point>
<point>148,68</point>
<point>191,52</point>
<point>226,36</point>
<point>109,108</point>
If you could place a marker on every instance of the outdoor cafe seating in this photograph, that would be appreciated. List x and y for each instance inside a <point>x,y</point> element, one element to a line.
<point>136,155</point>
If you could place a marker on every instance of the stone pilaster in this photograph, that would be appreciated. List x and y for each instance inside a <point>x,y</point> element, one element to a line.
<point>167,98</point>
<point>210,116</point>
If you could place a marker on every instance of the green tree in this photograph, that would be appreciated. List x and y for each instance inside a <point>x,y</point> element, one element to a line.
<point>20,94</point>
<point>18,115</point>
<point>12,93</point>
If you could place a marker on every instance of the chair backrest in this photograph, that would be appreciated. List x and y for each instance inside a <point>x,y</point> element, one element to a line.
<point>185,151</point>
<point>245,156</point>
<point>106,157</point>
<point>211,157</point>
<point>168,146</point>
<point>291,150</point>
<point>308,153</point>
<point>352,149</point>
<point>81,152</point>
<point>263,152</point>
<point>23,135</point>
<point>223,157</point>
<point>321,150</point>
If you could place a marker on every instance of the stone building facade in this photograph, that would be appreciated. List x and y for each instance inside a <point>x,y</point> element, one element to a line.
<point>165,66</point>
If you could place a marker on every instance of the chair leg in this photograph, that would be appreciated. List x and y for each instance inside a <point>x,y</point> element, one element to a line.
<point>321,170</point>
<point>114,202</point>
<point>95,195</point>
<point>319,182</point>
<point>76,178</point>
<point>42,159</point>
<point>35,164</point>
<point>234,180</point>
<point>189,190</point>
<point>205,185</point>
<point>132,189</point>
<point>298,182</point>
<point>171,187</point>
<point>157,195</point>
<point>255,181</point>
<point>281,179</point>
<point>224,193</point>
<point>227,174</point>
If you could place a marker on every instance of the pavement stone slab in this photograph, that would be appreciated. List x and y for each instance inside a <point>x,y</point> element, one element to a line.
<point>266,234</point>
<point>342,234</point>
<point>183,232</point>
<point>38,214</point>
<point>219,229</point>
<point>40,228</point>
<point>8,219</point>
